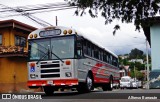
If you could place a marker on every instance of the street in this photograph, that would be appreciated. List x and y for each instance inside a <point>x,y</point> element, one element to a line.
<point>129,94</point>
<point>117,95</point>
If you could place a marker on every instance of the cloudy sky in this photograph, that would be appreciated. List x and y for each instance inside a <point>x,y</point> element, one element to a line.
<point>94,28</point>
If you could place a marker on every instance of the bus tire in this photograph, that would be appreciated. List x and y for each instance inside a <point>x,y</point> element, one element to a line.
<point>89,83</point>
<point>48,90</point>
<point>87,86</point>
<point>110,84</point>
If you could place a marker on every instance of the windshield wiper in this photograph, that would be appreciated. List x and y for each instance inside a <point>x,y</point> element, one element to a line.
<point>48,53</point>
<point>56,56</point>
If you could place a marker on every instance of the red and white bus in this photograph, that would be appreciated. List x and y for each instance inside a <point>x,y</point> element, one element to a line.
<point>60,57</point>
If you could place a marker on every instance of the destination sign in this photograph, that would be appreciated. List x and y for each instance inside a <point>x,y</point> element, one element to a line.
<point>48,33</point>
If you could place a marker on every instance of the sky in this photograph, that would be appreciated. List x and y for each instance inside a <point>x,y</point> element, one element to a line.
<point>94,28</point>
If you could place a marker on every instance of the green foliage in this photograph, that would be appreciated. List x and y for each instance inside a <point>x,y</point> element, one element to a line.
<point>136,54</point>
<point>125,10</point>
<point>137,74</point>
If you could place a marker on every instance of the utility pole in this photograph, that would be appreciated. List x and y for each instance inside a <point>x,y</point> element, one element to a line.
<point>147,64</point>
<point>134,72</point>
<point>56,21</point>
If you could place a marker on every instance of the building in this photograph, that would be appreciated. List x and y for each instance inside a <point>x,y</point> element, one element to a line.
<point>137,60</point>
<point>124,71</point>
<point>123,56</point>
<point>13,55</point>
<point>151,29</point>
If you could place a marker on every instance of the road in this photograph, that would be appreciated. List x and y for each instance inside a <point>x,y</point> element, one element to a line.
<point>117,95</point>
<point>130,95</point>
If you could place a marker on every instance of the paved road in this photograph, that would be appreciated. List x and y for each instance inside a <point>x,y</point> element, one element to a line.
<point>117,95</point>
<point>126,95</point>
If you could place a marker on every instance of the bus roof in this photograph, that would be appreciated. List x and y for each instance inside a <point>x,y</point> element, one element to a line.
<point>73,32</point>
<point>89,39</point>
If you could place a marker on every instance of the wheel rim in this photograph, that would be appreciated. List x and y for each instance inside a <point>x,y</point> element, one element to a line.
<point>89,82</point>
<point>111,83</point>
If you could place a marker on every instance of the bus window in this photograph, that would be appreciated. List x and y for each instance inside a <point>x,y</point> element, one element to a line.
<point>85,47</point>
<point>34,51</point>
<point>96,54</point>
<point>79,48</point>
<point>104,57</point>
<point>89,49</point>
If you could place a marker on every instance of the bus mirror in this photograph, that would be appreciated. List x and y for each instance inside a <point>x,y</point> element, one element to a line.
<point>79,57</point>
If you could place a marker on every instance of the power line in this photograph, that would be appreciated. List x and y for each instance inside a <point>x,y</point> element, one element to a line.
<point>33,18</point>
<point>37,7</point>
<point>39,12</point>
<point>28,10</point>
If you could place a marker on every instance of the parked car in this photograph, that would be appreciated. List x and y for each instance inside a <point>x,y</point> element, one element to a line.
<point>134,84</point>
<point>125,82</point>
<point>139,83</point>
<point>116,85</point>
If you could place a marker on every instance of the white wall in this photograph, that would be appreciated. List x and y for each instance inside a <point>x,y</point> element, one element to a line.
<point>155,46</point>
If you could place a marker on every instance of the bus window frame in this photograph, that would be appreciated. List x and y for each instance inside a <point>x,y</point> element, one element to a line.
<point>29,46</point>
<point>79,39</point>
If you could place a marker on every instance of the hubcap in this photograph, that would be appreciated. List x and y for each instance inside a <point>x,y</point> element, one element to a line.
<point>111,84</point>
<point>89,82</point>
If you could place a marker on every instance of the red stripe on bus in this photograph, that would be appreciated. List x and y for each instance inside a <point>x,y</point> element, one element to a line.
<point>97,70</point>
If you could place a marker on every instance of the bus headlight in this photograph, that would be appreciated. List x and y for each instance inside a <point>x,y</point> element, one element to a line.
<point>32,76</point>
<point>68,74</point>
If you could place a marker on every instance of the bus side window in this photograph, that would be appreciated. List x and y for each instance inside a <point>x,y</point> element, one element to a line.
<point>84,47</point>
<point>79,48</point>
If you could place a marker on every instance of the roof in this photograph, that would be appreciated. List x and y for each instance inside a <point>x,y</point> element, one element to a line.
<point>126,77</point>
<point>147,23</point>
<point>16,24</point>
<point>78,33</point>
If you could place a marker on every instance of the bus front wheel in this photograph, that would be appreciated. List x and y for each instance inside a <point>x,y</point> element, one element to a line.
<point>87,86</point>
<point>48,90</point>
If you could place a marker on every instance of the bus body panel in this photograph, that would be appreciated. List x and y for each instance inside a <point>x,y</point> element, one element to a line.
<point>53,71</point>
<point>101,71</point>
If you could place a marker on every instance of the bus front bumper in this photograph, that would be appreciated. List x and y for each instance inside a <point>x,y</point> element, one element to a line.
<point>60,82</point>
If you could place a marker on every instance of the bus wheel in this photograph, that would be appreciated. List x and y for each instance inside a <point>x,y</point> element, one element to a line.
<point>89,83</point>
<point>87,86</point>
<point>110,85</point>
<point>48,90</point>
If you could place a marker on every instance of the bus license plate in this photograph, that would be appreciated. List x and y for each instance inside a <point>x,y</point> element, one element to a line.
<point>50,82</point>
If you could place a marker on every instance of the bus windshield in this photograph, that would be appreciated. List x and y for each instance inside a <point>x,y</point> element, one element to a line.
<point>42,49</point>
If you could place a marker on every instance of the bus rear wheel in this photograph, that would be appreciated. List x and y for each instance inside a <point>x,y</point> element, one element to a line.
<point>48,90</point>
<point>108,86</point>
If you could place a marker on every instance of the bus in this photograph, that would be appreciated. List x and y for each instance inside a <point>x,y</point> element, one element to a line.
<point>60,57</point>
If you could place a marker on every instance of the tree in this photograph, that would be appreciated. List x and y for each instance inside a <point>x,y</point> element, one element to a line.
<point>127,11</point>
<point>135,73</point>
<point>136,54</point>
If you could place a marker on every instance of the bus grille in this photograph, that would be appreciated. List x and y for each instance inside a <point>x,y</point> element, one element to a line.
<point>50,70</point>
